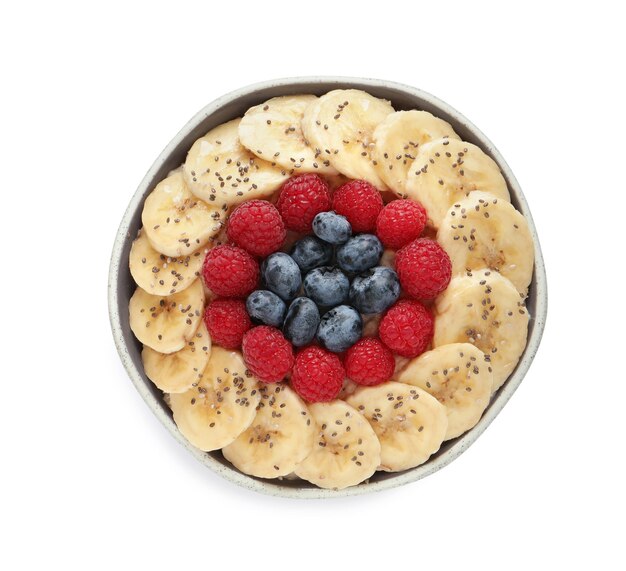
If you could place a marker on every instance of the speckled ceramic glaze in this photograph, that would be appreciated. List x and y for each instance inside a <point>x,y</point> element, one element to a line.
<point>121,284</point>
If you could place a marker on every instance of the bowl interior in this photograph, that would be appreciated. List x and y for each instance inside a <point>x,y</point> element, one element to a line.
<point>122,286</point>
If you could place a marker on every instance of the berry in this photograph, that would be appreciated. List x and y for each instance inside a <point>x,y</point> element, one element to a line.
<point>340,328</point>
<point>331,227</point>
<point>227,321</point>
<point>281,275</point>
<point>301,321</point>
<point>327,286</point>
<point>375,290</point>
<point>407,328</point>
<point>256,226</point>
<point>229,271</point>
<point>368,362</point>
<point>424,268</point>
<point>360,203</point>
<point>266,307</point>
<point>268,355</point>
<point>400,222</point>
<point>359,253</point>
<point>301,198</point>
<point>311,252</point>
<point>317,375</point>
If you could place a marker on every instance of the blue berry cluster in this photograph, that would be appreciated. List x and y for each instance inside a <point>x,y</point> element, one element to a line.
<point>322,288</point>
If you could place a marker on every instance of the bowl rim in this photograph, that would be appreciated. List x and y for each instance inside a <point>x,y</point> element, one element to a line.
<point>463,442</point>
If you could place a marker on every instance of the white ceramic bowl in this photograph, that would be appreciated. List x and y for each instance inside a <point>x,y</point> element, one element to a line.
<point>121,284</point>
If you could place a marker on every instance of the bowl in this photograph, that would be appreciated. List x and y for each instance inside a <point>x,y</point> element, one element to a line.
<point>227,107</point>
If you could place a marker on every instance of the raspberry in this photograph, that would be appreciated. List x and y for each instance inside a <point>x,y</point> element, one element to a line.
<point>230,272</point>
<point>317,375</point>
<point>369,362</point>
<point>267,353</point>
<point>360,203</point>
<point>407,328</point>
<point>227,320</point>
<point>256,226</point>
<point>301,198</point>
<point>400,222</point>
<point>423,268</point>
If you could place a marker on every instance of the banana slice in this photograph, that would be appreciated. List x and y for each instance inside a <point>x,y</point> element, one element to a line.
<point>165,324</point>
<point>346,451</point>
<point>481,231</point>
<point>445,170</point>
<point>175,222</point>
<point>280,437</point>
<point>159,274</point>
<point>397,140</point>
<point>177,372</point>
<point>222,405</point>
<point>273,132</point>
<point>484,309</point>
<point>409,423</point>
<point>222,172</point>
<point>340,127</point>
<point>459,376</point>
<point>348,388</point>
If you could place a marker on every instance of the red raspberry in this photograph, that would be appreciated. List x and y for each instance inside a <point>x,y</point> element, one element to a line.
<point>400,222</point>
<point>256,226</point>
<point>407,328</point>
<point>301,198</point>
<point>423,268</point>
<point>230,272</point>
<point>267,353</point>
<point>317,375</point>
<point>368,362</point>
<point>227,320</point>
<point>360,203</point>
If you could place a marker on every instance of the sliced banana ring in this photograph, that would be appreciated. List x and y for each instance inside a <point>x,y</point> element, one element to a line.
<point>175,222</point>
<point>410,423</point>
<point>459,376</point>
<point>177,372</point>
<point>273,132</point>
<point>398,138</point>
<point>159,274</point>
<point>346,451</point>
<point>223,173</point>
<point>280,436</point>
<point>166,324</point>
<point>481,231</point>
<point>484,308</point>
<point>340,127</point>
<point>222,405</point>
<point>445,170</point>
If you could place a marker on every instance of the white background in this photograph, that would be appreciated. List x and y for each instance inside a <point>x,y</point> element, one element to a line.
<point>92,93</point>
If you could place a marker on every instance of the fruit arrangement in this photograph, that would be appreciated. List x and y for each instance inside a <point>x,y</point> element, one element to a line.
<point>328,287</point>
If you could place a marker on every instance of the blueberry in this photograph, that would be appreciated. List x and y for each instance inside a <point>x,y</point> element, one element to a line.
<point>375,290</point>
<point>266,307</point>
<point>281,275</point>
<point>340,328</point>
<point>359,253</point>
<point>301,321</point>
<point>311,252</point>
<point>332,227</point>
<point>327,286</point>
